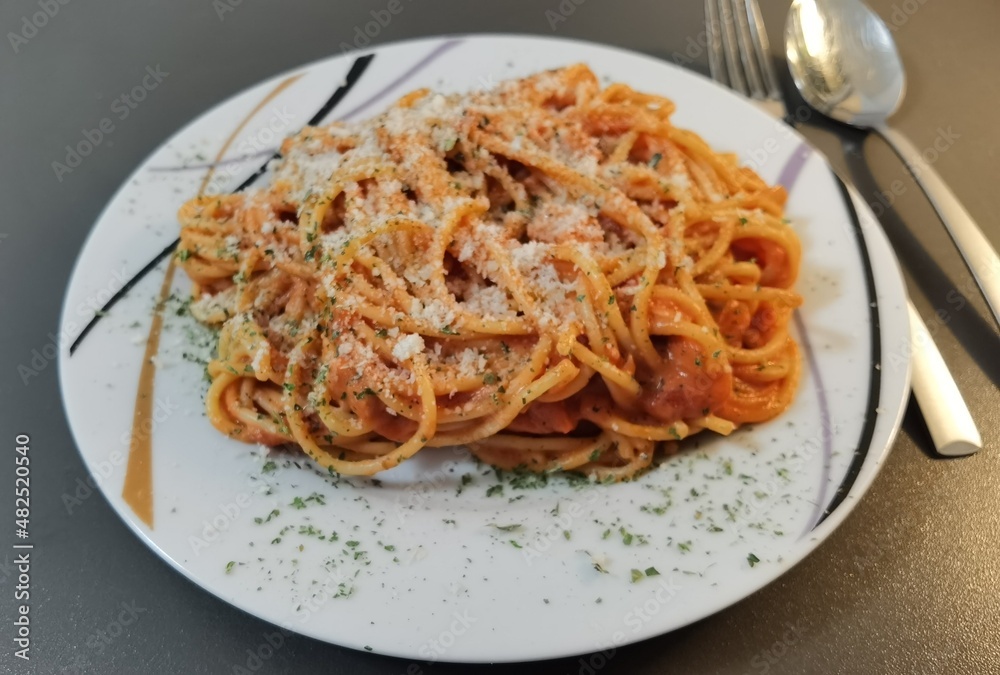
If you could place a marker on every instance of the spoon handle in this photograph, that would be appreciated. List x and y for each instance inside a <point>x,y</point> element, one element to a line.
<point>979,255</point>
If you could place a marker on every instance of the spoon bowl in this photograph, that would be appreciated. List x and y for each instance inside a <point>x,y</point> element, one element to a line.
<point>845,65</point>
<point>844,61</point>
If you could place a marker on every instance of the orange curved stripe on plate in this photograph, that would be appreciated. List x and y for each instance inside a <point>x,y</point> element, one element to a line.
<point>138,488</point>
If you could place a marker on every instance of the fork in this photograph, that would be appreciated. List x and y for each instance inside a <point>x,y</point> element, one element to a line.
<point>739,58</point>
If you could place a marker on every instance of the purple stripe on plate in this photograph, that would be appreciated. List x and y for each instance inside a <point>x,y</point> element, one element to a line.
<point>793,167</point>
<point>825,423</point>
<point>789,174</point>
<point>212,165</point>
<point>418,66</point>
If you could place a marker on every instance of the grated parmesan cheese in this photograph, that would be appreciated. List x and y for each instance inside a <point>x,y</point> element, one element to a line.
<point>407,347</point>
<point>263,349</point>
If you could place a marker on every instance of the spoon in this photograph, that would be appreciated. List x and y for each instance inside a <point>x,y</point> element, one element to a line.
<point>845,65</point>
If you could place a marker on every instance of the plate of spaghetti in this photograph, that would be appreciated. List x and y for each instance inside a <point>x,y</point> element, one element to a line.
<point>484,349</point>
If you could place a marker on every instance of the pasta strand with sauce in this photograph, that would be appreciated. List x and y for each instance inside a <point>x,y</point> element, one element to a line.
<point>549,273</point>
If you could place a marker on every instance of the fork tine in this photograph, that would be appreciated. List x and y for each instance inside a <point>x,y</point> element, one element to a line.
<point>731,48</point>
<point>716,57</point>
<point>762,49</point>
<point>751,70</point>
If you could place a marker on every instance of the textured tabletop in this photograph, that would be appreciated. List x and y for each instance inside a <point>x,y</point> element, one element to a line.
<point>909,583</point>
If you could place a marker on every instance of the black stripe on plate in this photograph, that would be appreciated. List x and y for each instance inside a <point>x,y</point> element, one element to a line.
<point>875,382</point>
<point>353,75</point>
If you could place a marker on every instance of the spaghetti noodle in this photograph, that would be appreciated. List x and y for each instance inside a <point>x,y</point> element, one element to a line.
<point>549,273</point>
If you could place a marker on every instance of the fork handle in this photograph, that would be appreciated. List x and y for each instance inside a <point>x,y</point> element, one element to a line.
<point>979,255</point>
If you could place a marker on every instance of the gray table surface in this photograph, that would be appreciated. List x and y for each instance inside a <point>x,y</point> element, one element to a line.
<point>909,583</point>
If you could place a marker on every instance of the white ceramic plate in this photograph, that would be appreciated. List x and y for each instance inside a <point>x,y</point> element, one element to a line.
<point>419,568</point>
